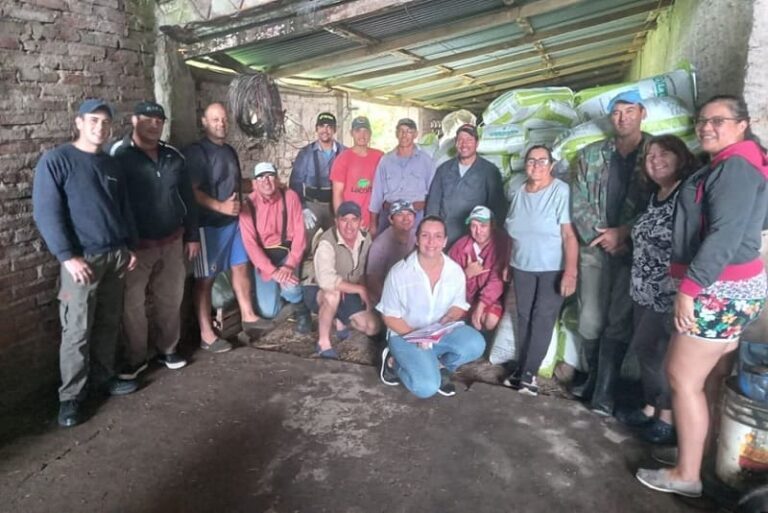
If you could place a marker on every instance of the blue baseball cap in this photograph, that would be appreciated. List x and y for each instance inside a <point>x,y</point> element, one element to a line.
<point>348,207</point>
<point>631,96</point>
<point>92,105</point>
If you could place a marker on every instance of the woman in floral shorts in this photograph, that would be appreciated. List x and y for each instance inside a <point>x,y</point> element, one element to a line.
<point>720,212</point>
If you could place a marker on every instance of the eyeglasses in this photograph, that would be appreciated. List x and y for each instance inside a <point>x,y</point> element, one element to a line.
<point>536,162</point>
<point>716,121</point>
<point>264,176</point>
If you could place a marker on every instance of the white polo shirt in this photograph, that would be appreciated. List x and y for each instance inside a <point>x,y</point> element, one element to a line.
<point>408,296</point>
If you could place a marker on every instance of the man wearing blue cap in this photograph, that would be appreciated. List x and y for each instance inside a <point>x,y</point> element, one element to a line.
<point>160,192</point>
<point>606,198</point>
<point>80,206</point>
<point>337,289</point>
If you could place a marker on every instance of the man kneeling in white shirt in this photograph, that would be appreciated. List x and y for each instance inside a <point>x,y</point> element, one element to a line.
<point>426,288</point>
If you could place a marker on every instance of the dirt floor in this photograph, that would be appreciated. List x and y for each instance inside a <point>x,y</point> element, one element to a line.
<point>261,431</point>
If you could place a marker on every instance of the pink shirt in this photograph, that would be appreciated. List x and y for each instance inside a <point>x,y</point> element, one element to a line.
<point>486,287</point>
<point>356,173</point>
<point>269,223</point>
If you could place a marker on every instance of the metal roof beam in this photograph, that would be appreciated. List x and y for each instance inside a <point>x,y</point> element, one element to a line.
<point>551,70</point>
<point>482,90</point>
<point>302,22</point>
<point>481,22</point>
<point>446,72</point>
<point>591,22</point>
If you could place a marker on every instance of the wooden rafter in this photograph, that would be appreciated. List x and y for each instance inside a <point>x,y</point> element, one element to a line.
<point>301,22</point>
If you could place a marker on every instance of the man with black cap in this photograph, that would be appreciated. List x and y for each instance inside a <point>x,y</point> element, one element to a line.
<point>353,172</point>
<point>310,175</point>
<point>337,289</point>
<point>160,193</point>
<point>275,239</point>
<point>464,182</point>
<point>404,173</point>
<point>606,197</point>
<point>80,205</point>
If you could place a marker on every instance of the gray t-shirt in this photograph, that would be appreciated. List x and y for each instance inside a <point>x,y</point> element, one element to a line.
<point>533,223</point>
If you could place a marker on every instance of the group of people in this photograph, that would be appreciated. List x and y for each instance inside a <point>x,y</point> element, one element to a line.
<point>663,254</point>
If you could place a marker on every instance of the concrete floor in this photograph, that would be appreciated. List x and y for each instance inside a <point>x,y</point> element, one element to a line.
<point>257,431</point>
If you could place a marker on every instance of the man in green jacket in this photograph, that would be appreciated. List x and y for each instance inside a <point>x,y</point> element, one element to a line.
<point>606,197</point>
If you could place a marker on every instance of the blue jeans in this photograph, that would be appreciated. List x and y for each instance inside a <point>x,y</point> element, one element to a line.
<point>419,369</point>
<point>268,294</point>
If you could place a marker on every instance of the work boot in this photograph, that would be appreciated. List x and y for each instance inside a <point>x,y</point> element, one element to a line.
<point>69,413</point>
<point>303,319</point>
<point>585,389</point>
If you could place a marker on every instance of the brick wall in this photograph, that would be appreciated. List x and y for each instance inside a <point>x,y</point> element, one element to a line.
<point>53,53</point>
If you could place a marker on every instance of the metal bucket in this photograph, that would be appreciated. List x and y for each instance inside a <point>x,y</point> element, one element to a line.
<point>742,449</point>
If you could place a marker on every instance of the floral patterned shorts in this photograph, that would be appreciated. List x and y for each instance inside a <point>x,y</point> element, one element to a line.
<point>723,319</point>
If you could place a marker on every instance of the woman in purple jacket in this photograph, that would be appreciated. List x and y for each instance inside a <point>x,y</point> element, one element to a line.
<point>720,212</point>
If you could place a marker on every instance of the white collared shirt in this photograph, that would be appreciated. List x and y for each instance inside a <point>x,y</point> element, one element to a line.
<point>407,294</point>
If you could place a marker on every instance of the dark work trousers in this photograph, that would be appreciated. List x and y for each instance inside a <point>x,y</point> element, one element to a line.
<point>650,342</point>
<point>538,305</point>
<point>605,322</point>
<point>90,323</point>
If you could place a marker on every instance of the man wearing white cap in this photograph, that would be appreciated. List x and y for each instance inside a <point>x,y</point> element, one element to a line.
<point>272,227</point>
<point>606,198</point>
<point>484,255</point>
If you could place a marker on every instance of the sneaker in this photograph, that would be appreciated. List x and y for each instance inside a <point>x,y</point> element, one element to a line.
<point>447,389</point>
<point>217,346</point>
<point>69,413</point>
<point>387,373</point>
<point>122,386</point>
<point>132,371</point>
<point>172,361</point>
<point>665,455</point>
<point>529,385</point>
<point>659,480</point>
<point>633,418</point>
<point>660,433</point>
<point>303,322</point>
<point>259,325</point>
<point>513,380</point>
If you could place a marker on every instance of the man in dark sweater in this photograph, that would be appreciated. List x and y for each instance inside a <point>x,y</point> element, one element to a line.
<point>81,208</point>
<point>160,193</point>
<point>464,182</point>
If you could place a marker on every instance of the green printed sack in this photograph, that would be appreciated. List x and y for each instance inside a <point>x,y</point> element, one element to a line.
<point>520,104</point>
<point>501,139</point>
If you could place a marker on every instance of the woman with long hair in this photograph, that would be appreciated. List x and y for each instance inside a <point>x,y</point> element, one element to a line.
<point>720,212</point>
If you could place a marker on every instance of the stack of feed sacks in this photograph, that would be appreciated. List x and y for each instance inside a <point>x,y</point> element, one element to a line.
<point>669,101</point>
<point>520,118</point>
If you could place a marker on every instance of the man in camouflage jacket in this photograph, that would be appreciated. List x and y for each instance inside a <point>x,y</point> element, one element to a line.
<point>606,197</point>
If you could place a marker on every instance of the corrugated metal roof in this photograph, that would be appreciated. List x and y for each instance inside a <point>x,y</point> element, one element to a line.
<point>402,53</point>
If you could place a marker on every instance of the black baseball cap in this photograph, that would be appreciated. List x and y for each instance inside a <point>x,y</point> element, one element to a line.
<point>406,122</point>
<point>149,109</point>
<point>326,118</point>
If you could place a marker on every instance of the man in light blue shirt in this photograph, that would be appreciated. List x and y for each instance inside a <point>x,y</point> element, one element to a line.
<point>405,173</point>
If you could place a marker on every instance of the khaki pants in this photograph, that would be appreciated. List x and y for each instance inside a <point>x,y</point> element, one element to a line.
<point>159,276</point>
<point>90,323</point>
